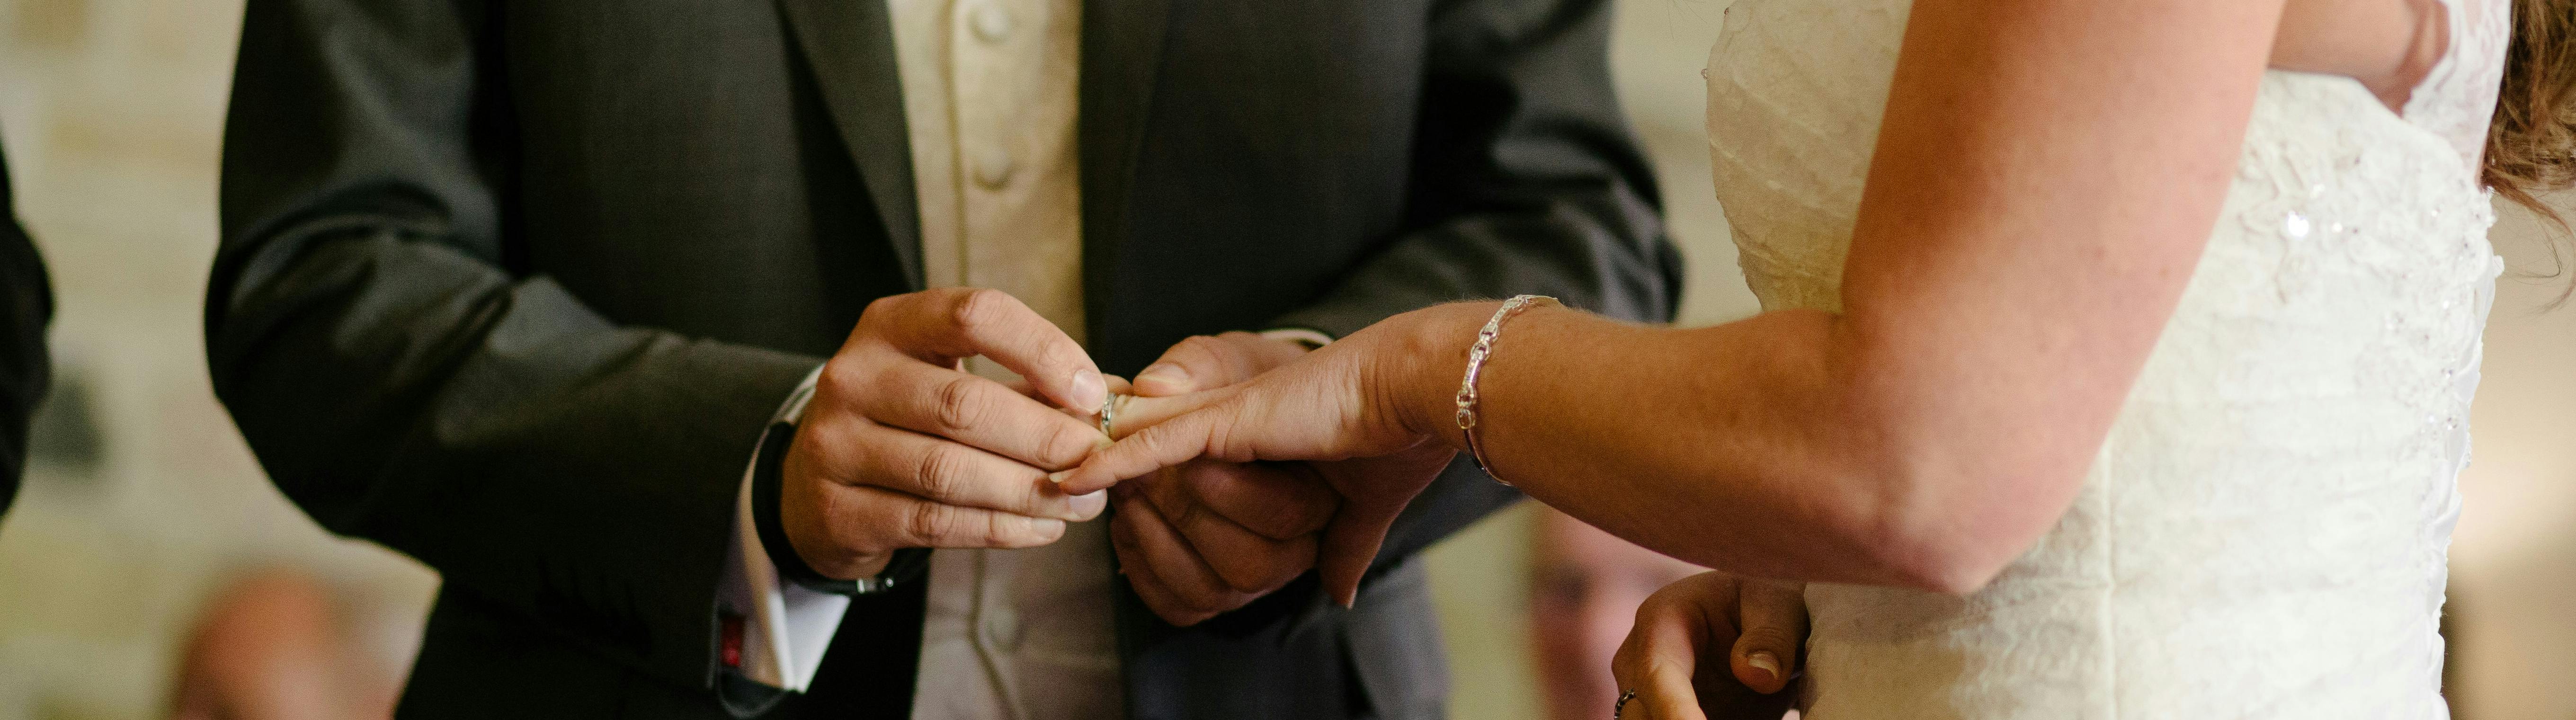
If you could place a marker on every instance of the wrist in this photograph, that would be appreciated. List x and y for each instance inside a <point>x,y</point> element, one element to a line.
<point>775,521</point>
<point>1434,356</point>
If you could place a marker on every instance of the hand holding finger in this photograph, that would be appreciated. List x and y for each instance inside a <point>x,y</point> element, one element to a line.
<point>972,410</point>
<point>945,325</point>
<point>858,453</point>
<point>1149,587</point>
<point>1170,442</point>
<point>1280,501</point>
<point>1190,591</point>
<point>1137,413</point>
<point>1247,561</point>
<point>899,448</point>
<point>853,492</point>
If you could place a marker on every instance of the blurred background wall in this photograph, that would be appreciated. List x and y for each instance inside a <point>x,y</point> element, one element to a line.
<point>142,505</point>
<point>141,501</point>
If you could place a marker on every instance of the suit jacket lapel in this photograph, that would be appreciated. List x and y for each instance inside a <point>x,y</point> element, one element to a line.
<point>850,46</point>
<point>1122,45</point>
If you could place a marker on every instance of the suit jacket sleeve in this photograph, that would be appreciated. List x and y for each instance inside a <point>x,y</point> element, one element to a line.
<point>26,303</point>
<point>1526,181</point>
<point>403,379</point>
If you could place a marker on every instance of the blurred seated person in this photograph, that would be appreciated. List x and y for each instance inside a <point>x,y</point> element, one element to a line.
<point>277,645</point>
<point>1585,588</point>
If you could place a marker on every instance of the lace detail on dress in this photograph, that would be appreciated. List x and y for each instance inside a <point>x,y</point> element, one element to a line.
<point>2457,99</point>
<point>2264,532</point>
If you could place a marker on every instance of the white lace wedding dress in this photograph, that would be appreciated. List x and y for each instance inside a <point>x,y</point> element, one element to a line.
<point>2264,533</point>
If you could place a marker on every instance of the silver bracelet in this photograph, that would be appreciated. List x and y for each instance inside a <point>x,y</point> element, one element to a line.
<point>1476,355</point>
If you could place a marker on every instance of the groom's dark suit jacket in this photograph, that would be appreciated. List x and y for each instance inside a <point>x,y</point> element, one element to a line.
<point>511,287</point>
<point>26,303</point>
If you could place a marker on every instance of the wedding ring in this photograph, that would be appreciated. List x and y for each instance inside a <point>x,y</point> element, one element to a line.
<point>1621,707</point>
<point>1109,414</point>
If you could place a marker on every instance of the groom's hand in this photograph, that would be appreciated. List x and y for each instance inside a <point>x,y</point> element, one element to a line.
<point>899,448</point>
<point>1207,537</point>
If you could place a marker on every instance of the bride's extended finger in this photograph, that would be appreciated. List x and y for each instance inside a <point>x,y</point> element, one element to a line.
<point>1171,443</point>
<point>1137,413</point>
<point>1148,584</point>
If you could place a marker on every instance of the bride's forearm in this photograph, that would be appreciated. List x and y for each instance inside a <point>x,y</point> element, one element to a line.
<point>1747,446</point>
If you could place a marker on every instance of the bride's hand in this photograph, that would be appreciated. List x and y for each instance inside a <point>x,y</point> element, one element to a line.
<point>1759,624</point>
<point>1357,401</point>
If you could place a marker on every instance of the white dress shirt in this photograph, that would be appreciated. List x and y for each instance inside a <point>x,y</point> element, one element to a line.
<point>989,91</point>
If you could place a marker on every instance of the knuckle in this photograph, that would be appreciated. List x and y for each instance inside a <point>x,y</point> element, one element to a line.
<point>1251,575</point>
<point>978,309</point>
<point>1199,348</point>
<point>940,473</point>
<point>878,309</point>
<point>1219,357</point>
<point>1239,572</point>
<point>960,403</point>
<point>1303,517</point>
<point>930,523</point>
<point>1679,593</point>
<point>1665,665</point>
<point>845,375</point>
<point>1656,610</point>
<point>1058,356</point>
<point>848,539</point>
<point>809,456</point>
<point>1065,447</point>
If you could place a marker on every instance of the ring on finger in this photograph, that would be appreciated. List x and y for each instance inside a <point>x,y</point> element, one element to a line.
<point>1621,707</point>
<point>1109,413</point>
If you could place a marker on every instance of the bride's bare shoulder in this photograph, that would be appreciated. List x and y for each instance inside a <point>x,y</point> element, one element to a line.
<point>2388,45</point>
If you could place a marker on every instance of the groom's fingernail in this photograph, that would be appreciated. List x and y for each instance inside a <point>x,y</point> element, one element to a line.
<point>1089,390</point>
<point>1169,375</point>
<point>1089,506</point>
<point>1058,476</point>
<point>1764,661</point>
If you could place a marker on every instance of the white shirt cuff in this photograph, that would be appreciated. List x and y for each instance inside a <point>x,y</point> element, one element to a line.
<point>1309,337</point>
<point>785,627</point>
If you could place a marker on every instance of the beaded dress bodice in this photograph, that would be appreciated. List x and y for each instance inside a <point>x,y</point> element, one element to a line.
<point>2264,533</point>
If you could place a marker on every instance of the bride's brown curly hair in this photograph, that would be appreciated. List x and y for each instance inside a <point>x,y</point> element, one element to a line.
<point>2531,147</point>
